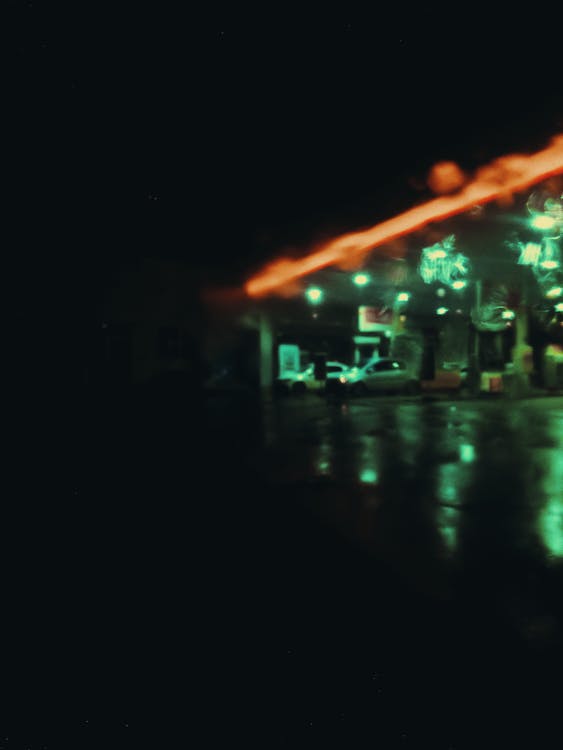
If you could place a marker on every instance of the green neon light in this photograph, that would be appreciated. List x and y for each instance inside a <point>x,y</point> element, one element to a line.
<point>541,221</point>
<point>314,295</point>
<point>529,254</point>
<point>361,279</point>
<point>436,254</point>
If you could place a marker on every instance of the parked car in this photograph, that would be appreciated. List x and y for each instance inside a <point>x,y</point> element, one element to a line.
<point>380,376</point>
<point>305,380</point>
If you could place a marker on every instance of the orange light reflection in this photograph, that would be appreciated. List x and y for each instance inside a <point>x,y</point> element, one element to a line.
<point>495,181</point>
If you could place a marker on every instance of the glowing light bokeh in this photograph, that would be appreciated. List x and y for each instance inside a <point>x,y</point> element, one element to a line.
<point>442,263</point>
<point>529,254</point>
<point>361,279</point>
<point>543,222</point>
<point>314,295</point>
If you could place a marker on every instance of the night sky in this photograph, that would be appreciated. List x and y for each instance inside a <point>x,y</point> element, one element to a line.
<point>222,135</point>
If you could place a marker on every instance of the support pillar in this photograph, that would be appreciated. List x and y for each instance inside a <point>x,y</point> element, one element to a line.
<point>522,352</point>
<point>474,341</point>
<point>266,339</point>
<point>398,321</point>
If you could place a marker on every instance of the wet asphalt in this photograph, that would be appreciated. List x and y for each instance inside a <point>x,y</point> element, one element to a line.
<point>382,572</point>
<point>411,577</point>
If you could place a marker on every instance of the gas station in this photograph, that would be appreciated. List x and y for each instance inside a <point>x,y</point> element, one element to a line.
<point>478,299</point>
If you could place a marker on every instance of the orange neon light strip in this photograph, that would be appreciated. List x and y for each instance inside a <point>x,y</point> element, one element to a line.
<point>506,175</point>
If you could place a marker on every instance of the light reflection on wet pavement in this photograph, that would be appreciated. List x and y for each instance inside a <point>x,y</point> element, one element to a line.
<point>447,576</point>
<point>436,480</point>
<point>383,572</point>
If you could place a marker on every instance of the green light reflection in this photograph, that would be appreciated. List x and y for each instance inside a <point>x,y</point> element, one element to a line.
<point>451,483</point>
<point>448,520</point>
<point>551,527</point>
<point>323,464</point>
<point>368,476</point>
<point>368,468</point>
<point>448,478</point>
<point>550,519</point>
<point>467,453</point>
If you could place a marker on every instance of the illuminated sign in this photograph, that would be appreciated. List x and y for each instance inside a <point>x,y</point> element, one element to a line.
<point>288,358</point>
<point>374,318</point>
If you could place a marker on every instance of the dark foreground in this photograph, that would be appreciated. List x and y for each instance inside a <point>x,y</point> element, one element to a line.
<point>384,573</point>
